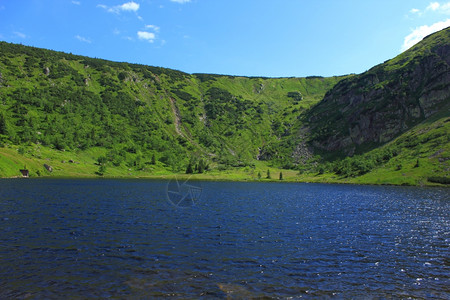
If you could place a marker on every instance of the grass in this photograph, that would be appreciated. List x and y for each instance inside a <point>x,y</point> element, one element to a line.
<point>67,164</point>
<point>424,154</point>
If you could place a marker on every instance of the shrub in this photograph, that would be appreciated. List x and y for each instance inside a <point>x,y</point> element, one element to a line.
<point>189,169</point>
<point>438,179</point>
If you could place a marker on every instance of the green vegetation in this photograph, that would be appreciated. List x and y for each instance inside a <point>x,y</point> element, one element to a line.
<point>366,111</point>
<point>91,117</point>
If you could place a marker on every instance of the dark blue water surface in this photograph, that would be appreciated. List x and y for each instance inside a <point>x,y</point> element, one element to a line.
<point>123,239</point>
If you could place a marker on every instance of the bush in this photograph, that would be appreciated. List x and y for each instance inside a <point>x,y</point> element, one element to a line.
<point>189,169</point>
<point>101,170</point>
<point>438,179</point>
<point>296,96</point>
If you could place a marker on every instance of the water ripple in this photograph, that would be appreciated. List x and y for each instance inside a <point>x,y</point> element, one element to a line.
<point>121,238</point>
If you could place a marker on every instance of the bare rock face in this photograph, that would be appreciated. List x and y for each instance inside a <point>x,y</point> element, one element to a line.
<point>46,71</point>
<point>376,106</point>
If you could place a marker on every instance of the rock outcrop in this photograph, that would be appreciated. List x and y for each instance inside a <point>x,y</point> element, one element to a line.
<point>378,105</point>
<point>48,167</point>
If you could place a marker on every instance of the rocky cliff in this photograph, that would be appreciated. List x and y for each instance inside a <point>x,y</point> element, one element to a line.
<point>372,108</point>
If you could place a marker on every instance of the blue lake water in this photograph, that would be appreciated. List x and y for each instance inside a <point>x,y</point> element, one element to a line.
<point>124,239</point>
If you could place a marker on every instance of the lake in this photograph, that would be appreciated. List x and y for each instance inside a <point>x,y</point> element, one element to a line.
<point>146,239</point>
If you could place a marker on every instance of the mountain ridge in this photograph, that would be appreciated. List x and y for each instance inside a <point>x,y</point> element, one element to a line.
<point>148,120</point>
<point>411,92</point>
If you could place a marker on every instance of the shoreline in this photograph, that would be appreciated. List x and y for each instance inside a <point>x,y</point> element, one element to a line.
<point>196,177</point>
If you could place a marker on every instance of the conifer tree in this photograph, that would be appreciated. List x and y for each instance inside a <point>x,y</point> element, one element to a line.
<point>189,169</point>
<point>3,129</point>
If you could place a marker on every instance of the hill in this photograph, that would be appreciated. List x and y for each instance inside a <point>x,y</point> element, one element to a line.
<point>86,116</point>
<point>131,113</point>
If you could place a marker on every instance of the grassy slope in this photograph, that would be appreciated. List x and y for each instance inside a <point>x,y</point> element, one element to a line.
<point>42,109</point>
<point>404,91</point>
<point>427,143</point>
<point>50,107</point>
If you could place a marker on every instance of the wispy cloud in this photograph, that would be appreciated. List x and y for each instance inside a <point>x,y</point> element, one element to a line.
<point>153,27</point>
<point>420,32</point>
<point>181,1</point>
<point>129,6</point>
<point>82,39</point>
<point>20,34</point>
<point>440,8</point>
<point>433,7</point>
<point>147,36</point>
<point>76,2</point>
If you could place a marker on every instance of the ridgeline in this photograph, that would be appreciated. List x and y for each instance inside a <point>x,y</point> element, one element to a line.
<point>69,115</point>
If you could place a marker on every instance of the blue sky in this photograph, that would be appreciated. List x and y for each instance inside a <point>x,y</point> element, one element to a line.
<point>271,38</point>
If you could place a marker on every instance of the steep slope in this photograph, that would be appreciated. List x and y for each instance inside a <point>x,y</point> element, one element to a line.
<point>131,113</point>
<point>368,110</point>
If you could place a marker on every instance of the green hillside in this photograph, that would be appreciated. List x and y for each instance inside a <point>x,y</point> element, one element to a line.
<point>131,113</point>
<point>91,117</point>
<point>372,108</point>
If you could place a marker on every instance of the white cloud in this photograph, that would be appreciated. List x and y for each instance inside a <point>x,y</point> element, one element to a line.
<point>145,35</point>
<point>433,6</point>
<point>420,32</point>
<point>76,2</point>
<point>129,6</point>
<point>82,39</point>
<point>153,27</point>
<point>181,1</point>
<point>438,7</point>
<point>20,34</point>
